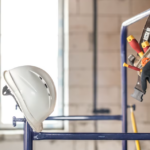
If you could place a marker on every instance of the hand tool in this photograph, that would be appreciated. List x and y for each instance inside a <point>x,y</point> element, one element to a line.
<point>145,45</point>
<point>143,50</point>
<point>132,67</point>
<point>135,45</point>
<point>145,76</point>
<point>131,59</point>
<point>137,143</point>
<point>138,91</point>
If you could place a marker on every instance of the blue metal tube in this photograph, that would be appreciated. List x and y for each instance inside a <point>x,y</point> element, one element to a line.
<point>74,118</point>
<point>124,83</point>
<point>28,136</point>
<point>91,136</point>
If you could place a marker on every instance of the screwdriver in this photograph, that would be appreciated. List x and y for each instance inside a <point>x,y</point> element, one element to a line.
<point>131,67</point>
<point>145,46</point>
<point>135,45</point>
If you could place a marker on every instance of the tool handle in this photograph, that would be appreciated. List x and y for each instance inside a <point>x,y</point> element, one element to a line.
<point>145,45</point>
<point>134,68</point>
<point>131,67</point>
<point>135,45</point>
<point>137,143</point>
<point>146,48</point>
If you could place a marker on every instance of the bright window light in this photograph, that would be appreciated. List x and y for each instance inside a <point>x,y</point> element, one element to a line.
<point>29,36</point>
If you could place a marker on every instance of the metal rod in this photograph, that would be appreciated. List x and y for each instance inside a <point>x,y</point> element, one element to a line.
<point>95,64</point>
<point>116,117</point>
<point>124,84</point>
<point>136,18</point>
<point>28,137</point>
<point>74,118</point>
<point>91,136</point>
<point>95,54</point>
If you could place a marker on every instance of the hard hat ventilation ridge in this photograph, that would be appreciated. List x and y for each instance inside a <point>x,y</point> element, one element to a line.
<point>43,81</point>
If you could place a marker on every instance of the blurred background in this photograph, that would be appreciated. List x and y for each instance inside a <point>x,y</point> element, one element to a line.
<point>74,79</point>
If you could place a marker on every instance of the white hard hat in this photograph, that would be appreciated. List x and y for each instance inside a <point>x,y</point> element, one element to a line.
<point>35,93</point>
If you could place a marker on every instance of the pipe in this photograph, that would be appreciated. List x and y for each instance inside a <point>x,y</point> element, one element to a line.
<point>124,83</point>
<point>95,54</point>
<point>90,136</point>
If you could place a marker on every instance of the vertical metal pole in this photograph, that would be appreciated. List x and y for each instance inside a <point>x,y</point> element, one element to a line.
<point>95,79</point>
<point>124,83</point>
<point>95,53</point>
<point>95,62</point>
<point>28,139</point>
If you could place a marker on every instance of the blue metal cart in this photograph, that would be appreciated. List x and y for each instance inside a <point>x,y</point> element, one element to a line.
<point>29,135</point>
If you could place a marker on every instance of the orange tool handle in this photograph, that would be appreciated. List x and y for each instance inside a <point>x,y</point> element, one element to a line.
<point>135,45</point>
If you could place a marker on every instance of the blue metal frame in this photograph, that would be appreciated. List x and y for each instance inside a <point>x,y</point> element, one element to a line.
<point>29,135</point>
<point>74,118</point>
<point>91,136</point>
<point>124,84</point>
<point>124,70</point>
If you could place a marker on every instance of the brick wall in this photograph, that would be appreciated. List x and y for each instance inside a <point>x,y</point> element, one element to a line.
<point>111,13</point>
<point>110,16</point>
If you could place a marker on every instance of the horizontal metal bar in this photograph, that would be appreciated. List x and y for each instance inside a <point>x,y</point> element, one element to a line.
<point>136,18</point>
<point>18,119</point>
<point>73,118</point>
<point>91,136</point>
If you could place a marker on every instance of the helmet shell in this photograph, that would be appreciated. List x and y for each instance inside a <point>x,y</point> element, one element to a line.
<point>35,92</point>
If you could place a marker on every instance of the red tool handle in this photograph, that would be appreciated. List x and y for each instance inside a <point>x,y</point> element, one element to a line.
<point>146,48</point>
<point>134,68</point>
<point>135,45</point>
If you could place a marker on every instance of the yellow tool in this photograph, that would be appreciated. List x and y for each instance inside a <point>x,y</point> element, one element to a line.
<point>137,143</point>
